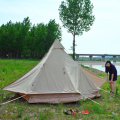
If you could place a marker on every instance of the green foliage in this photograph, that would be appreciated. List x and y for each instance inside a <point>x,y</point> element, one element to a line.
<point>98,58</point>
<point>22,40</point>
<point>45,115</point>
<point>88,59</point>
<point>76,16</point>
<point>116,90</point>
<point>93,108</point>
<point>118,58</point>
<point>27,117</point>
<point>19,112</point>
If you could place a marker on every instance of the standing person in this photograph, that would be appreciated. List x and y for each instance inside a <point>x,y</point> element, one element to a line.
<point>111,69</point>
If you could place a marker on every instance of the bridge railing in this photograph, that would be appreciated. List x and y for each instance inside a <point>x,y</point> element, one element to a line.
<point>91,56</point>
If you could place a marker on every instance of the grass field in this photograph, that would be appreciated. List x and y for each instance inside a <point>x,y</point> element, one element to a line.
<point>11,69</point>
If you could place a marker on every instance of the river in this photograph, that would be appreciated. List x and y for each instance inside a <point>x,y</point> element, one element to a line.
<point>101,65</point>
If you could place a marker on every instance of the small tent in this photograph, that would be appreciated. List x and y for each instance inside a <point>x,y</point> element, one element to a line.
<point>56,78</point>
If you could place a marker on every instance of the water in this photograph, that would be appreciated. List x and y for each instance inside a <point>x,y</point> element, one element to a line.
<point>102,67</point>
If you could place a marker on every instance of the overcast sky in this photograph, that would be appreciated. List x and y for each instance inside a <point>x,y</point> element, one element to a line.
<point>103,38</point>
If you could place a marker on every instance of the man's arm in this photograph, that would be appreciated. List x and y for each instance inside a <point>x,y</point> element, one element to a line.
<point>112,77</point>
<point>107,76</point>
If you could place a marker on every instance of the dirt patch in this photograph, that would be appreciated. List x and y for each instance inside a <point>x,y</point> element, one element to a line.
<point>91,73</point>
<point>96,71</point>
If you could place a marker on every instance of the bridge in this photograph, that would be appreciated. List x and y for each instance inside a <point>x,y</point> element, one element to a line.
<point>102,55</point>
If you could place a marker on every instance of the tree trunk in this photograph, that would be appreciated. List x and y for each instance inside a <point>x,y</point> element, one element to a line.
<point>74,45</point>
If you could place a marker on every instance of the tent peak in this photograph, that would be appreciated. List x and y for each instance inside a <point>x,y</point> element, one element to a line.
<point>57,45</point>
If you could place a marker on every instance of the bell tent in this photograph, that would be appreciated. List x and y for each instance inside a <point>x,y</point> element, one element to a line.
<point>56,78</point>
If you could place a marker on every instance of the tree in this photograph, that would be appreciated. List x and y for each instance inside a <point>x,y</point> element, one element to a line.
<point>24,40</point>
<point>76,16</point>
<point>53,32</point>
<point>24,29</point>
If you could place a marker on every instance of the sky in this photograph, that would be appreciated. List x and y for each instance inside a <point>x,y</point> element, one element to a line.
<point>103,37</point>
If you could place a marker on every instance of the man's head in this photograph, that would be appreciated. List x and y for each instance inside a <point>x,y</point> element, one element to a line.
<point>108,64</point>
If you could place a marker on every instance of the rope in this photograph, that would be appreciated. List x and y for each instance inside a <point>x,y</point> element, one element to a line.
<point>66,51</point>
<point>12,100</point>
<point>94,101</point>
<point>105,91</point>
<point>91,100</point>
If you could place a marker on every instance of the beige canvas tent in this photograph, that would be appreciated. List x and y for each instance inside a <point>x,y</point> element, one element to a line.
<point>56,78</point>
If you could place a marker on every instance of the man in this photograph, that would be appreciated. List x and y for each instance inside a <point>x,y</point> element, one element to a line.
<point>110,68</point>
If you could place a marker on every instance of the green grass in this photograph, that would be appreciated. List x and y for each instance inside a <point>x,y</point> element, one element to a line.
<point>11,69</point>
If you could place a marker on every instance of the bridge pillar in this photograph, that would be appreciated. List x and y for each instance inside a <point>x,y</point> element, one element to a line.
<point>90,57</point>
<point>114,58</point>
<point>103,58</point>
<point>77,57</point>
